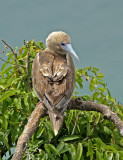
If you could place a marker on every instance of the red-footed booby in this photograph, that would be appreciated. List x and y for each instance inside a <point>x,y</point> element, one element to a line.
<point>53,76</point>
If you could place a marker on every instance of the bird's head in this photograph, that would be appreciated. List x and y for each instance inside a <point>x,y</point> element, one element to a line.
<point>60,43</point>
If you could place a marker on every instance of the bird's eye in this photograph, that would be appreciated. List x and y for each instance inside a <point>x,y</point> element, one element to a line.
<point>62,44</point>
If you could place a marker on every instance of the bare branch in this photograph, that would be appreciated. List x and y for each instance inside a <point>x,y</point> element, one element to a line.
<point>4,60</point>
<point>8,46</point>
<point>11,63</point>
<point>29,129</point>
<point>14,53</point>
<point>92,106</point>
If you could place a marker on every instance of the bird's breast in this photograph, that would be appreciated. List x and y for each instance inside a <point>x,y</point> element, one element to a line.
<point>58,67</point>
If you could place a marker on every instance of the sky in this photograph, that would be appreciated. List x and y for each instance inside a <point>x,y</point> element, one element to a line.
<point>95,28</point>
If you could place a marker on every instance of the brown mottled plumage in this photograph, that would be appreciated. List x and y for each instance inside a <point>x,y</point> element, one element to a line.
<point>53,76</point>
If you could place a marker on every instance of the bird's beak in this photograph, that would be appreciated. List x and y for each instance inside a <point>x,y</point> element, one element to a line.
<point>70,50</point>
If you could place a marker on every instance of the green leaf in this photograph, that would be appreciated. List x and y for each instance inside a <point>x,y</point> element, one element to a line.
<point>107,130</point>
<point>52,157</point>
<point>89,132</point>
<point>5,123</point>
<point>86,97</point>
<point>6,70</point>
<point>47,149</point>
<point>110,147</point>
<point>100,75</point>
<point>52,149</point>
<point>49,128</point>
<point>106,156</point>
<point>72,151</point>
<point>26,100</point>
<point>111,156</point>
<point>92,84</point>
<point>95,95</point>
<point>4,65</point>
<point>21,49</point>
<point>69,138</point>
<point>99,156</point>
<point>102,89</point>
<point>3,86</point>
<point>65,148</point>
<point>79,151</point>
<point>40,131</point>
<point>99,143</point>
<point>65,157</point>
<point>90,150</point>
<point>4,138</point>
<point>24,54</point>
<point>117,156</point>
<point>109,93</point>
<point>6,95</point>
<point>60,146</point>
<point>101,82</point>
<point>31,50</point>
<point>69,119</point>
<point>79,81</point>
<point>95,68</point>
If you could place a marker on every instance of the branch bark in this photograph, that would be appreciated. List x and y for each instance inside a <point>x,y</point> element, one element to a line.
<point>76,103</point>
<point>32,125</point>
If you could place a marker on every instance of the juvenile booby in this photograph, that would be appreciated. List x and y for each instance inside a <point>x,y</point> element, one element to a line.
<point>53,76</point>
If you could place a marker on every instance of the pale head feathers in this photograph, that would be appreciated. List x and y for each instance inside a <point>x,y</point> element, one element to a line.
<point>58,37</point>
<point>54,40</point>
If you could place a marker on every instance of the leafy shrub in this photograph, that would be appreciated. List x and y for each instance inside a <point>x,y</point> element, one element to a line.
<point>84,135</point>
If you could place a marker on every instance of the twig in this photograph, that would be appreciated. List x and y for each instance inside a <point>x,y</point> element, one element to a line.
<point>4,60</point>
<point>11,63</point>
<point>8,46</point>
<point>15,54</point>
<point>28,76</point>
<point>75,124</point>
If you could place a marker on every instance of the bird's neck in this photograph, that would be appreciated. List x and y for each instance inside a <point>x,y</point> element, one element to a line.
<point>55,53</point>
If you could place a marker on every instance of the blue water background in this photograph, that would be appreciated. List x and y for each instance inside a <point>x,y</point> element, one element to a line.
<point>95,27</point>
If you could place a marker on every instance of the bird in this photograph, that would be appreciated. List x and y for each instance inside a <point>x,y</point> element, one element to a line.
<point>53,76</point>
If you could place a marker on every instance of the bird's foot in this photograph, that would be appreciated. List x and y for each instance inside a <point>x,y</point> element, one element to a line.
<point>38,103</point>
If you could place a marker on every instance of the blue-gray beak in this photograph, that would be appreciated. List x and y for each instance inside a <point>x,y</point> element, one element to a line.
<point>69,49</point>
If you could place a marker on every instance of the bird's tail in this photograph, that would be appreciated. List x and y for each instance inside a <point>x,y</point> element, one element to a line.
<point>56,121</point>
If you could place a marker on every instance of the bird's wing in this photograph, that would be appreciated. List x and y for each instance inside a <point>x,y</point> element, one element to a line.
<point>49,78</point>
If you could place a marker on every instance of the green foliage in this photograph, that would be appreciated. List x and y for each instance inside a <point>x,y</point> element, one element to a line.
<point>84,136</point>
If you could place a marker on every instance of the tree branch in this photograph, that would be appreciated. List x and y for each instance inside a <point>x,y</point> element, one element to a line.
<point>92,106</point>
<point>76,103</point>
<point>14,53</point>
<point>29,129</point>
<point>11,63</point>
